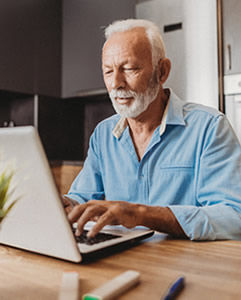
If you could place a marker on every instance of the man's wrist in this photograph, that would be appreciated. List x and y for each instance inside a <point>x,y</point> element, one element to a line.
<point>160,219</point>
<point>141,214</point>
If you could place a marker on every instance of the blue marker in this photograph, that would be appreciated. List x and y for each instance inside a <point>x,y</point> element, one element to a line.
<point>175,289</point>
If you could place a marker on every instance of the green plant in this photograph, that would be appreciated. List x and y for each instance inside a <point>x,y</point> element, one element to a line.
<point>5,180</point>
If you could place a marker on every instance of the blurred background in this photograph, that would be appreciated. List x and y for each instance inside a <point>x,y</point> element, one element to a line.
<point>50,63</point>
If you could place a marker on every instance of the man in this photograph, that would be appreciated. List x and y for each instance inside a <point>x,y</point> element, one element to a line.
<point>169,165</point>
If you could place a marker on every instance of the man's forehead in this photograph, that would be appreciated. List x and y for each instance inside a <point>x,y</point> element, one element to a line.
<point>131,40</point>
<point>136,35</point>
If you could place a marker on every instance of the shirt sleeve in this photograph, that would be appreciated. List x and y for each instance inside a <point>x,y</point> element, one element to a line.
<point>218,188</point>
<point>88,184</point>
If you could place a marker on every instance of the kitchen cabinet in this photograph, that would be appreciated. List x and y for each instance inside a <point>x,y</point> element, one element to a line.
<point>50,69</point>
<point>53,47</point>
<point>231,10</point>
<point>60,122</point>
<point>64,125</point>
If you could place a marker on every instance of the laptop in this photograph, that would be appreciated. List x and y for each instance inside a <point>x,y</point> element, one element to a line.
<point>38,222</point>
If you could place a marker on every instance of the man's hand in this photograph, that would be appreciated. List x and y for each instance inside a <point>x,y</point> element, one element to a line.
<point>68,204</point>
<point>104,213</point>
<point>124,213</point>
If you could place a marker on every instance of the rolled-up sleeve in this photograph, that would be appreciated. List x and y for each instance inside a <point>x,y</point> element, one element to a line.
<point>218,188</point>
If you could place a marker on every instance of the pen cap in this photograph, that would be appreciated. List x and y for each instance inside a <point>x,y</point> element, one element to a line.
<point>114,287</point>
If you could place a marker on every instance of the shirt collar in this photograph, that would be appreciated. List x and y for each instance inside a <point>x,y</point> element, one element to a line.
<point>173,115</point>
<point>120,127</point>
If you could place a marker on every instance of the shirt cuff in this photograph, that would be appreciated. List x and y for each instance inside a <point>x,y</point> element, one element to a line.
<point>194,222</point>
<point>216,222</point>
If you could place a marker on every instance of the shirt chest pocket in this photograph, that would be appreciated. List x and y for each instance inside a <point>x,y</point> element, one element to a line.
<point>173,184</point>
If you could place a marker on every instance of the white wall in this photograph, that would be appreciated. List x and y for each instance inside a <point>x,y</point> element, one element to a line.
<point>192,50</point>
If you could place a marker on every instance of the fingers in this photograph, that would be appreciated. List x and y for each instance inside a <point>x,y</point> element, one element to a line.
<point>89,213</point>
<point>76,212</point>
<point>106,218</point>
<point>105,213</point>
<point>83,213</point>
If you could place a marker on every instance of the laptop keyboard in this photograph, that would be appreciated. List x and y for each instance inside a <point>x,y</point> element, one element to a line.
<point>100,237</point>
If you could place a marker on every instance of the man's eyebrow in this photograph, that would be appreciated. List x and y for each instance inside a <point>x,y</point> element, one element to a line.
<point>106,66</point>
<point>126,62</point>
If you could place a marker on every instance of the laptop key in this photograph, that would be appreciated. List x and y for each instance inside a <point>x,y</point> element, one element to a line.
<point>100,237</point>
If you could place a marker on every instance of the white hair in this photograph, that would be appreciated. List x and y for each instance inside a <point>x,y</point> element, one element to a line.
<point>152,31</point>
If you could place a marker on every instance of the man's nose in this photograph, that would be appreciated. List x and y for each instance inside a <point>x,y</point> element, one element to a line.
<point>118,80</point>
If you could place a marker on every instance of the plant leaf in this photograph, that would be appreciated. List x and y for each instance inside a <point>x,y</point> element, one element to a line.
<point>5,180</point>
<point>6,211</point>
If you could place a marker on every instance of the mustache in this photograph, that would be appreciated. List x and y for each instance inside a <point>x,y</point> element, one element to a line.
<point>122,93</point>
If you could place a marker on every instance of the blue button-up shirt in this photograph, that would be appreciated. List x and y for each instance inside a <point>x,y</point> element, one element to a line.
<point>192,165</point>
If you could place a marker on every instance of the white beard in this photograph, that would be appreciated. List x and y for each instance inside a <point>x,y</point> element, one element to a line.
<point>139,104</point>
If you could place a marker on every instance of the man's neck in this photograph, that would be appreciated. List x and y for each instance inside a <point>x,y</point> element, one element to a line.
<point>142,127</point>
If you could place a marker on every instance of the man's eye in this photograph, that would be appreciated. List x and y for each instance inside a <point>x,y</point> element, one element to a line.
<point>108,72</point>
<point>131,69</point>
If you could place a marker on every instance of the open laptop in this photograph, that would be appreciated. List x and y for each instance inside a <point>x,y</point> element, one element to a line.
<point>38,222</point>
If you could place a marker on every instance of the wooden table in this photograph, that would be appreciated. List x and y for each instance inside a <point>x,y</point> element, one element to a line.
<point>212,270</point>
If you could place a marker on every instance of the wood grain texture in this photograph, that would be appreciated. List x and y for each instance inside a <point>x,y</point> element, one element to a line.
<point>212,270</point>
<point>64,176</point>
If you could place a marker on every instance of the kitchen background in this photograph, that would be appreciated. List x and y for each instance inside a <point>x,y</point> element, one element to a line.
<point>50,62</point>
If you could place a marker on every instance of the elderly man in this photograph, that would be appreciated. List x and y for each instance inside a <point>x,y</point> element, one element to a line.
<point>169,165</point>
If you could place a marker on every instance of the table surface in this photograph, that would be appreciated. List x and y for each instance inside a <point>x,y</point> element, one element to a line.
<point>212,270</point>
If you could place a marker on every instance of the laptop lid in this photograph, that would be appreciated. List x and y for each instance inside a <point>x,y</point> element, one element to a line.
<point>37,222</point>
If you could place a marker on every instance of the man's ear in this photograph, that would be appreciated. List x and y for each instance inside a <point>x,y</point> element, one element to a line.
<point>164,67</point>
